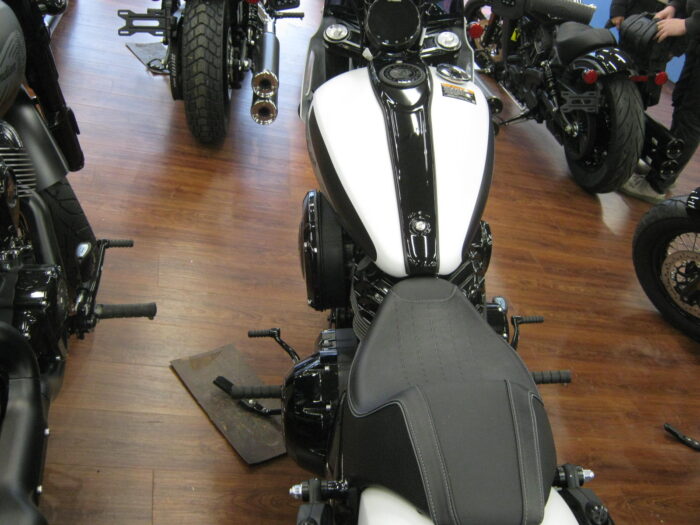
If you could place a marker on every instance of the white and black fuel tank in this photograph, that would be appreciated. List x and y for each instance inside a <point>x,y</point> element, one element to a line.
<point>404,153</point>
<point>13,57</point>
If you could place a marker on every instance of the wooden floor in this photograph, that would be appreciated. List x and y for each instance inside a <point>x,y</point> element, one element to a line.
<point>216,247</point>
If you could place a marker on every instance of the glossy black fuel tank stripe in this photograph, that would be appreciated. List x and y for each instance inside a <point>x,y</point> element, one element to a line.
<point>333,189</point>
<point>407,120</point>
<point>481,198</point>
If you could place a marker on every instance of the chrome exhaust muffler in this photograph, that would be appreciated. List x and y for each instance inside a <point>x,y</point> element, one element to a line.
<point>266,64</point>
<point>265,81</point>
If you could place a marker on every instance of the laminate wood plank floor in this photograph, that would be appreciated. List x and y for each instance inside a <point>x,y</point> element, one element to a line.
<point>216,247</point>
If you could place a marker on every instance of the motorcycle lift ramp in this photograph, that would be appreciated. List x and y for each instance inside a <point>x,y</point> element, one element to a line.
<point>256,439</point>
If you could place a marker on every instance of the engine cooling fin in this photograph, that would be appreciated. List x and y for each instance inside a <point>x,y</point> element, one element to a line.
<point>15,157</point>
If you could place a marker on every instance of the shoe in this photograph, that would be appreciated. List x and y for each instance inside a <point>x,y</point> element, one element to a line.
<point>638,187</point>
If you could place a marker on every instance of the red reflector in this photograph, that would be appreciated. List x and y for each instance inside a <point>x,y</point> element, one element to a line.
<point>661,78</point>
<point>475,30</point>
<point>590,76</point>
<point>639,78</point>
<point>252,2</point>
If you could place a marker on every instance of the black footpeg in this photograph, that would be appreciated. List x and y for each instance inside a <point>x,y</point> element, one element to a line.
<point>118,311</point>
<point>686,440</point>
<point>516,321</point>
<point>550,377</point>
<point>118,243</point>
<point>87,312</point>
<point>153,21</point>
<point>274,333</point>
<point>248,392</point>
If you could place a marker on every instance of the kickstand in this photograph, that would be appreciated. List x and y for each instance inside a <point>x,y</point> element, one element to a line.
<point>522,117</point>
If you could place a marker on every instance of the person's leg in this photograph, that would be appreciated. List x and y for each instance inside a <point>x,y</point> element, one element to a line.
<point>686,117</point>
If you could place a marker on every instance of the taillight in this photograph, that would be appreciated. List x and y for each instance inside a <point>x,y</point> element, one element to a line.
<point>661,78</point>
<point>590,76</point>
<point>475,30</point>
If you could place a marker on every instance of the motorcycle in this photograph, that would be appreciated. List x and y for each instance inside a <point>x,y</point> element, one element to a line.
<point>666,254</point>
<point>573,77</point>
<point>50,261</point>
<point>414,407</point>
<point>211,44</point>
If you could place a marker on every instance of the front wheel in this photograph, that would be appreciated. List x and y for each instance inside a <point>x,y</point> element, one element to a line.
<point>666,253</point>
<point>206,42</point>
<point>604,147</point>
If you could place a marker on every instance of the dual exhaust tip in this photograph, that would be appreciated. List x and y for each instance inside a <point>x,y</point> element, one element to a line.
<point>265,82</point>
<point>265,85</point>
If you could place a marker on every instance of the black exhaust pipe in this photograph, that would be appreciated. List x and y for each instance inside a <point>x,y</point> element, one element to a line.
<point>23,432</point>
<point>661,148</point>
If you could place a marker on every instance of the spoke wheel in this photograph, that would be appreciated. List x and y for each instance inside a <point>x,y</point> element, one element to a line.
<point>667,261</point>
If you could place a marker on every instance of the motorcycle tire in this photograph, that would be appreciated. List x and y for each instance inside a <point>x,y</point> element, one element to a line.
<point>205,84</point>
<point>609,144</point>
<point>71,228</point>
<point>657,231</point>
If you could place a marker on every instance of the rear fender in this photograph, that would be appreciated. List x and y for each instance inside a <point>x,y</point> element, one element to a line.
<point>605,61</point>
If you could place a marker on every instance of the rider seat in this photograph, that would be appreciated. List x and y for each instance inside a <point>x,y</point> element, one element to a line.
<point>441,410</point>
<point>574,39</point>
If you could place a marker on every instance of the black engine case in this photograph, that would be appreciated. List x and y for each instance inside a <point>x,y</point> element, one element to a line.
<point>311,396</point>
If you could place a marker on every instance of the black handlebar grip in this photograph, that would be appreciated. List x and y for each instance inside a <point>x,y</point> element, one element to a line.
<point>120,243</point>
<point>245,392</point>
<point>548,377</point>
<point>532,319</point>
<point>569,10</point>
<point>262,333</point>
<point>116,311</point>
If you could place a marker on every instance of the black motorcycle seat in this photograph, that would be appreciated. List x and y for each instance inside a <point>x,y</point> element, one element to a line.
<point>574,39</point>
<point>441,410</point>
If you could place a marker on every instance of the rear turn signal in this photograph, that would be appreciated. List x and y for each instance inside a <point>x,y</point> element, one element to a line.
<point>661,78</point>
<point>590,76</point>
<point>475,30</point>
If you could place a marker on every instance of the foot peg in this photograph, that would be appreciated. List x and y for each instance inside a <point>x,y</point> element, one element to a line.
<point>550,377</point>
<point>247,395</point>
<point>516,321</point>
<point>87,313</point>
<point>118,311</point>
<point>274,333</point>
<point>118,243</point>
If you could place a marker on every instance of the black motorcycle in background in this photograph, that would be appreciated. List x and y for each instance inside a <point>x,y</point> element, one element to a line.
<point>211,44</point>
<point>666,253</point>
<point>50,260</point>
<point>567,74</point>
